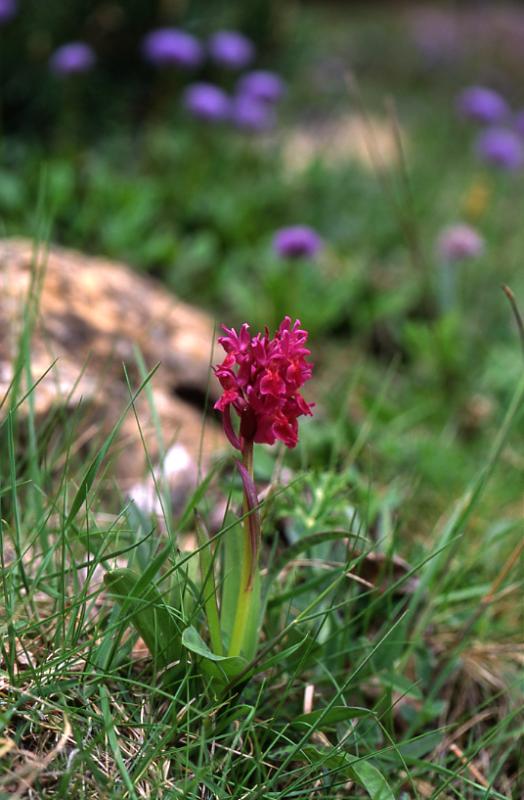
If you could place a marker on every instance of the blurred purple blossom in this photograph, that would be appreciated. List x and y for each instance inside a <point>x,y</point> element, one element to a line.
<point>518,122</point>
<point>231,49</point>
<point>8,9</point>
<point>297,241</point>
<point>436,34</point>
<point>251,114</point>
<point>172,47</point>
<point>72,58</point>
<point>459,242</point>
<point>501,147</point>
<point>206,101</point>
<point>482,104</point>
<point>262,85</point>
<point>452,32</point>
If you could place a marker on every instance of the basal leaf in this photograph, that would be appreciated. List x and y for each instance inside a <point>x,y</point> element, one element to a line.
<point>232,542</point>
<point>359,770</point>
<point>147,612</point>
<point>221,668</point>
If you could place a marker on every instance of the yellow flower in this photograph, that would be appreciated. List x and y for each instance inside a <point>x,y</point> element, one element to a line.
<point>476,200</point>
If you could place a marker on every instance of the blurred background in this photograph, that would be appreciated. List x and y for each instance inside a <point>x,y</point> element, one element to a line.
<point>189,139</point>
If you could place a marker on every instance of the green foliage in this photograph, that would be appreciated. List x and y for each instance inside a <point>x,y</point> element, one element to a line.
<point>363,639</point>
<point>222,669</point>
<point>389,630</point>
<point>143,604</point>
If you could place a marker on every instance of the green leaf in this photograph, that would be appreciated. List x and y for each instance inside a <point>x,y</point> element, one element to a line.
<point>232,591</point>
<point>194,642</point>
<point>153,569</point>
<point>112,738</point>
<point>323,719</point>
<point>400,684</point>
<point>195,499</point>
<point>224,669</point>
<point>372,780</point>
<point>420,746</point>
<point>143,603</point>
<point>283,655</point>
<point>359,770</point>
<point>232,543</point>
<point>305,543</point>
<point>209,589</point>
<point>307,654</point>
<point>254,621</point>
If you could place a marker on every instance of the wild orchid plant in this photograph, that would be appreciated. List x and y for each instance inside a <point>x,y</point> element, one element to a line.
<point>261,403</point>
<point>261,378</point>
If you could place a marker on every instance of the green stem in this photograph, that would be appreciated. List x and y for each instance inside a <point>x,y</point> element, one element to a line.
<point>447,287</point>
<point>209,592</point>
<point>245,594</point>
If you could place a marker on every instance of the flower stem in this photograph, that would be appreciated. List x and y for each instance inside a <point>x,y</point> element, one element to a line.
<point>248,567</point>
<point>447,287</point>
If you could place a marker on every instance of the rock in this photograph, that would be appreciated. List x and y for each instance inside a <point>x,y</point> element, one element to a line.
<point>178,471</point>
<point>89,319</point>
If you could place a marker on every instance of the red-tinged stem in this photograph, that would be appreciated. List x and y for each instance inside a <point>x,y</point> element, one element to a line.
<point>252,518</point>
<point>228,428</point>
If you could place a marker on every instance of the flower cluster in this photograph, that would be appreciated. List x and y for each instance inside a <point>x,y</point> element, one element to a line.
<point>8,9</point>
<point>500,144</point>
<point>231,49</point>
<point>207,102</point>
<point>459,242</point>
<point>172,47</point>
<point>250,107</point>
<point>262,85</point>
<point>297,241</point>
<point>482,104</point>
<point>502,148</point>
<point>261,378</point>
<point>72,58</point>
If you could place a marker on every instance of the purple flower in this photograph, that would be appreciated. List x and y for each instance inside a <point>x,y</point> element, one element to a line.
<point>518,122</point>
<point>436,34</point>
<point>251,114</point>
<point>231,49</point>
<point>262,85</point>
<point>459,242</point>
<point>206,101</point>
<point>8,9</point>
<point>501,147</point>
<point>482,105</point>
<point>72,58</point>
<point>172,47</point>
<point>297,241</point>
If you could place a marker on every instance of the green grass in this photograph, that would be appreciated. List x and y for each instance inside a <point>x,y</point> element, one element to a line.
<point>391,661</point>
<point>406,662</point>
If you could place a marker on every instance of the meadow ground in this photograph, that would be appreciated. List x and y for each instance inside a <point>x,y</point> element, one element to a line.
<point>390,657</point>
